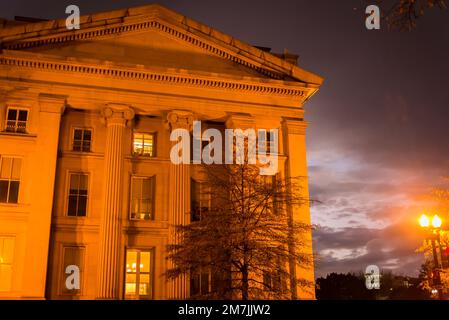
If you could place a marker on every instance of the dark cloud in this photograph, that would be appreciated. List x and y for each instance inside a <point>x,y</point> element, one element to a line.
<point>353,249</point>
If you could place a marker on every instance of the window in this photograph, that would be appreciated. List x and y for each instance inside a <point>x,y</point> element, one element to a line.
<point>142,195</point>
<point>199,283</point>
<point>199,200</point>
<point>73,255</point>
<point>77,206</point>
<point>6,262</point>
<point>139,270</point>
<point>144,144</point>
<point>266,140</point>
<point>82,140</point>
<point>16,120</point>
<point>9,179</point>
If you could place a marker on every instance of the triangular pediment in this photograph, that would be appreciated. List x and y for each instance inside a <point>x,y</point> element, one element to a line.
<point>150,48</point>
<point>151,36</point>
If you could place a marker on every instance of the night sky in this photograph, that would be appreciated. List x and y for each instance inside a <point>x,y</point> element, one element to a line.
<point>378,134</point>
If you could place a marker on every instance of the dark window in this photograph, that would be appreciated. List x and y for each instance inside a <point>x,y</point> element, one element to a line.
<point>16,120</point>
<point>199,283</point>
<point>142,195</point>
<point>82,140</point>
<point>199,200</point>
<point>9,179</point>
<point>77,206</point>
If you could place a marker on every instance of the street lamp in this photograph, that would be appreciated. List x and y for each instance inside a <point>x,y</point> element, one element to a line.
<point>434,235</point>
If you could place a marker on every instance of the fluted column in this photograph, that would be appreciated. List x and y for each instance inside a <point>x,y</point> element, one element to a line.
<point>179,201</point>
<point>116,118</point>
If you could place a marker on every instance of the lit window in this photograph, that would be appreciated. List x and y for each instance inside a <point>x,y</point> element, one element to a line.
<point>82,139</point>
<point>78,195</point>
<point>139,282</point>
<point>142,194</point>
<point>200,200</point>
<point>73,255</point>
<point>9,179</point>
<point>16,120</point>
<point>6,262</point>
<point>144,144</point>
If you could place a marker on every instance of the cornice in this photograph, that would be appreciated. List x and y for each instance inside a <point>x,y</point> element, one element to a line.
<point>140,73</point>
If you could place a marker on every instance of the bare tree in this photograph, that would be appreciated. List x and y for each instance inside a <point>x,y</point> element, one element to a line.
<point>403,14</point>
<point>247,240</point>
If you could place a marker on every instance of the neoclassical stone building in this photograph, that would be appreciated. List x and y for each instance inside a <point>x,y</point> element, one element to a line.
<point>86,177</point>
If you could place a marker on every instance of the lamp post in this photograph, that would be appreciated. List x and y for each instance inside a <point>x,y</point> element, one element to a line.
<point>433,234</point>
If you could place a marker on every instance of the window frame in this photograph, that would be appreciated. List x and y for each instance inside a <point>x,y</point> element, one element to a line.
<point>8,108</point>
<point>154,150</point>
<point>67,194</point>
<point>63,276</point>
<point>10,178</point>
<point>72,140</point>
<point>153,196</point>
<point>201,185</point>
<point>200,274</point>
<point>14,239</point>
<point>139,250</point>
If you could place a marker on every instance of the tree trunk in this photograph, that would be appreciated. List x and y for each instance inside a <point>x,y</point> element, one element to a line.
<point>245,283</point>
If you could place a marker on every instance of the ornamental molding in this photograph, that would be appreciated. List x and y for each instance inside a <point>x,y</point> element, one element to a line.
<point>107,31</point>
<point>294,126</point>
<point>40,62</point>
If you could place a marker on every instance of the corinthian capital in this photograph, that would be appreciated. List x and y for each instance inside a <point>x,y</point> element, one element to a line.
<point>117,114</point>
<point>179,119</point>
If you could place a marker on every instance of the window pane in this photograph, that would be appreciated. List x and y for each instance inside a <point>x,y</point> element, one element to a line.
<point>78,133</point>
<point>138,143</point>
<point>194,284</point>
<point>86,146</point>
<point>130,286</point>
<point>16,165</point>
<point>74,183</point>
<point>144,285</point>
<point>6,249</point>
<point>23,115</point>
<point>137,188</point>
<point>131,261</point>
<point>83,182</point>
<point>6,168</point>
<point>72,206</point>
<point>204,282</point>
<point>87,135</point>
<point>77,145</point>
<point>145,260</point>
<point>4,190</point>
<point>146,188</point>
<point>12,114</point>
<point>13,191</point>
<point>82,206</point>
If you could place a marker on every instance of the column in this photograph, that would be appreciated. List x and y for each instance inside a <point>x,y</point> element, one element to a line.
<point>179,201</point>
<point>116,118</point>
<point>294,135</point>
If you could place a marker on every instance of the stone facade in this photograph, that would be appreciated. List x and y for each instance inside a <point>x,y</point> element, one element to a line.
<point>90,98</point>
